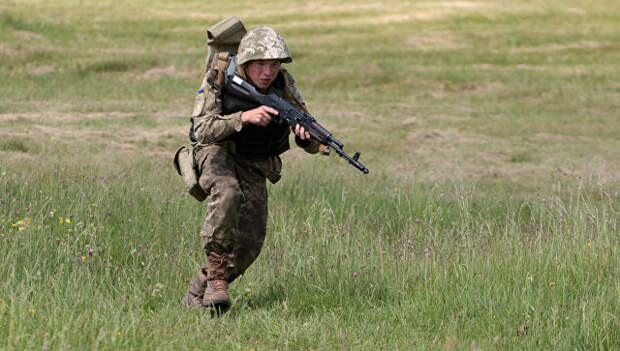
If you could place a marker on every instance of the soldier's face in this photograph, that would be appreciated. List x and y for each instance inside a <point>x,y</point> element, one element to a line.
<point>263,72</point>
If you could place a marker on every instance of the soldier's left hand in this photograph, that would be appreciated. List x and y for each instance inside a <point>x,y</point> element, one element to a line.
<point>301,133</point>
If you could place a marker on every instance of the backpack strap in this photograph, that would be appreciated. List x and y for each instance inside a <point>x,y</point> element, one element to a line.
<point>222,65</point>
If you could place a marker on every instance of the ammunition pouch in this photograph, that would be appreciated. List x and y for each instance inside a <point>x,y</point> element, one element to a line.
<point>185,166</point>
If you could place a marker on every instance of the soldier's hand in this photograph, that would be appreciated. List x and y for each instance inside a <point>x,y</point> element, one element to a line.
<point>260,116</point>
<point>301,133</point>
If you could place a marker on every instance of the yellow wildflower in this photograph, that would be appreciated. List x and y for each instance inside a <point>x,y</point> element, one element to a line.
<point>551,283</point>
<point>83,258</point>
<point>32,310</point>
<point>67,220</point>
<point>589,244</point>
<point>530,278</point>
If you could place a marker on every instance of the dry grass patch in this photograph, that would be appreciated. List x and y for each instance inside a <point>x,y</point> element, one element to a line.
<point>61,117</point>
<point>170,71</point>
<point>448,118</point>
<point>581,45</point>
<point>28,35</point>
<point>53,128</point>
<point>352,115</point>
<point>425,134</point>
<point>550,136</point>
<point>452,4</point>
<point>43,70</point>
<point>409,121</point>
<point>436,41</point>
<point>443,138</point>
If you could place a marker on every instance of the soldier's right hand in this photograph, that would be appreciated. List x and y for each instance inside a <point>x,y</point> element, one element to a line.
<point>260,116</point>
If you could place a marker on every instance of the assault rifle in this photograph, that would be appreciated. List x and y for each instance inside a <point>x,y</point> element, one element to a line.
<point>288,113</point>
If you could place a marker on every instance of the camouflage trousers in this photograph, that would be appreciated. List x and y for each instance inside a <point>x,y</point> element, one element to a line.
<point>236,220</point>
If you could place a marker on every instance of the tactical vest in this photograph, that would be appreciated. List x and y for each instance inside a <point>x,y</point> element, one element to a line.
<point>256,142</point>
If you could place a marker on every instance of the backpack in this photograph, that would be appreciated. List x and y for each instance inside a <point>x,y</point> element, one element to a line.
<point>223,41</point>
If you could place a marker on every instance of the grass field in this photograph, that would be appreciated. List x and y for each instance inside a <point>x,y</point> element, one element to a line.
<point>490,218</point>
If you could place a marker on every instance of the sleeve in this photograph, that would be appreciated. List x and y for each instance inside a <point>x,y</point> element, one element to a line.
<point>209,125</point>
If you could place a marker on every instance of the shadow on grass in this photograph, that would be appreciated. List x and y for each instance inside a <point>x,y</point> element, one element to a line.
<point>303,298</point>
<point>266,298</point>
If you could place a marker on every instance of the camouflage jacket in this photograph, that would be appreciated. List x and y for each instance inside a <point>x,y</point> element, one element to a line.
<point>210,126</point>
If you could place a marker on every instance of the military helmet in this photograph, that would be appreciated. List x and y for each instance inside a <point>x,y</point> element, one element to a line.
<point>262,43</point>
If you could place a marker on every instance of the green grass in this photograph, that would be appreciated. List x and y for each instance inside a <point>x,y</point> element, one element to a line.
<point>15,145</point>
<point>491,134</point>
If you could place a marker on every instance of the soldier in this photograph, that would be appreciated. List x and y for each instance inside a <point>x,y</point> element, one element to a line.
<point>236,148</point>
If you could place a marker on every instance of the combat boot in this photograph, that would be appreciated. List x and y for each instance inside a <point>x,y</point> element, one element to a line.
<point>216,296</point>
<point>196,291</point>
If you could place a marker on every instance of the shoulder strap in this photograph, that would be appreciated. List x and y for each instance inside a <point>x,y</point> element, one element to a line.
<point>289,93</point>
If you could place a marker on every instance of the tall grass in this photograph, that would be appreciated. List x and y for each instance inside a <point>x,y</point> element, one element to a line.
<point>100,257</point>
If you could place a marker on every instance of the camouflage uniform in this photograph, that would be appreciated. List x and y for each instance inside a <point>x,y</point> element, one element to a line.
<point>236,218</point>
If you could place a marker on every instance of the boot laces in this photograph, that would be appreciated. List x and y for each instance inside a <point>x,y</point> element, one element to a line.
<point>217,266</point>
<point>219,285</point>
<point>217,261</point>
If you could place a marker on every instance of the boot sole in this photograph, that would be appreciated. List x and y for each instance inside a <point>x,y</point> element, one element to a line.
<point>218,306</point>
